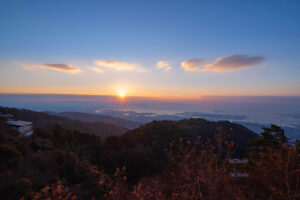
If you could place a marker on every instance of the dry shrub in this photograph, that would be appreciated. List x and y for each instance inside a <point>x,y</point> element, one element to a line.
<point>148,189</point>
<point>201,171</point>
<point>116,188</point>
<point>275,172</point>
<point>55,191</point>
<point>195,171</point>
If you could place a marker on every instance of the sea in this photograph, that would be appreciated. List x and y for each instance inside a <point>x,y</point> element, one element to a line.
<point>254,112</point>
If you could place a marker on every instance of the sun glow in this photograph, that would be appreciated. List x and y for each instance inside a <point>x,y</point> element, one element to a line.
<point>122,94</point>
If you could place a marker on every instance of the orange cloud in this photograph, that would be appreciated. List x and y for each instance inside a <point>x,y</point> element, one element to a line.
<point>62,67</point>
<point>193,64</point>
<point>223,64</point>
<point>97,69</point>
<point>163,65</point>
<point>118,66</point>
<point>28,68</point>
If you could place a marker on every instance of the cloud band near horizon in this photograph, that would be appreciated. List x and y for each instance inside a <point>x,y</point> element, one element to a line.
<point>222,64</point>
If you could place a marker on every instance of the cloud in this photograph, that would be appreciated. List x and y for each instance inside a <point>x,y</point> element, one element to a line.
<point>163,65</point>
<point>193,64</point>
<point>61,67</point>
<point>234,62</point>
<point>223,64</point>
<point>28,68</point>
<point>97,69</point>
<point>25,66</point>
<point>118,66</point>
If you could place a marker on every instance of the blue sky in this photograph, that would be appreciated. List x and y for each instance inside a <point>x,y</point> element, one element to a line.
<point>150,48</point>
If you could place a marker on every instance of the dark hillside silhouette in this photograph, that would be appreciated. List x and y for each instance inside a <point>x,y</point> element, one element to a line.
<point>44,120</point>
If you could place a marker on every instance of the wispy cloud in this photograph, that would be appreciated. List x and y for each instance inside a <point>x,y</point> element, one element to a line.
<point>163,65</point>
<point>25,66</point>
<point>234,62</point>
<point>119,66</point>
<point>97,69</point>
<point>223,64</point>
<point>28,68</point>
<point>61,67</point>
<point>193,64</point>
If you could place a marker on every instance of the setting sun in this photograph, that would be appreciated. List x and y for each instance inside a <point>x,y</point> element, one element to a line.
<point>122,94</point>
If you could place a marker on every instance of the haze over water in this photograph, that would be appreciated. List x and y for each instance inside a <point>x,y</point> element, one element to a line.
<point>283,111</point>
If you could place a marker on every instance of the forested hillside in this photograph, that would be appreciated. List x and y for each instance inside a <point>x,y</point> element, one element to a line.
<point>44,120</point>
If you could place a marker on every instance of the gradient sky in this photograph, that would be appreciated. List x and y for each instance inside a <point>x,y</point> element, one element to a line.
<point>183,49</point>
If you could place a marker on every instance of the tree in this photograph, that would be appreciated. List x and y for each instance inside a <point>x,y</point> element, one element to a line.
<point>272,136</point>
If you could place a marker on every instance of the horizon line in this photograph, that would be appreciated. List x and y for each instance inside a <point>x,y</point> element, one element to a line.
<point>148,97</point>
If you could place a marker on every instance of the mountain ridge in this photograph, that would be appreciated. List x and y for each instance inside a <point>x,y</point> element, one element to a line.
<point>45,120</point>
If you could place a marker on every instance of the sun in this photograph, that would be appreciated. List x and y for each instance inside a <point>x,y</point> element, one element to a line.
<point>122,94</point>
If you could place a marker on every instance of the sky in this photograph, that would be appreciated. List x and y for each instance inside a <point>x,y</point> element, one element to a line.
<point>177,49</point>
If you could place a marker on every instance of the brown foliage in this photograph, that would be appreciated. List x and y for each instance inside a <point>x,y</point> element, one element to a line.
<point>116,188</point>
<point>54,191</point>
<point>201,171</point>
<point>195,171</point>
<point>275,173</point>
